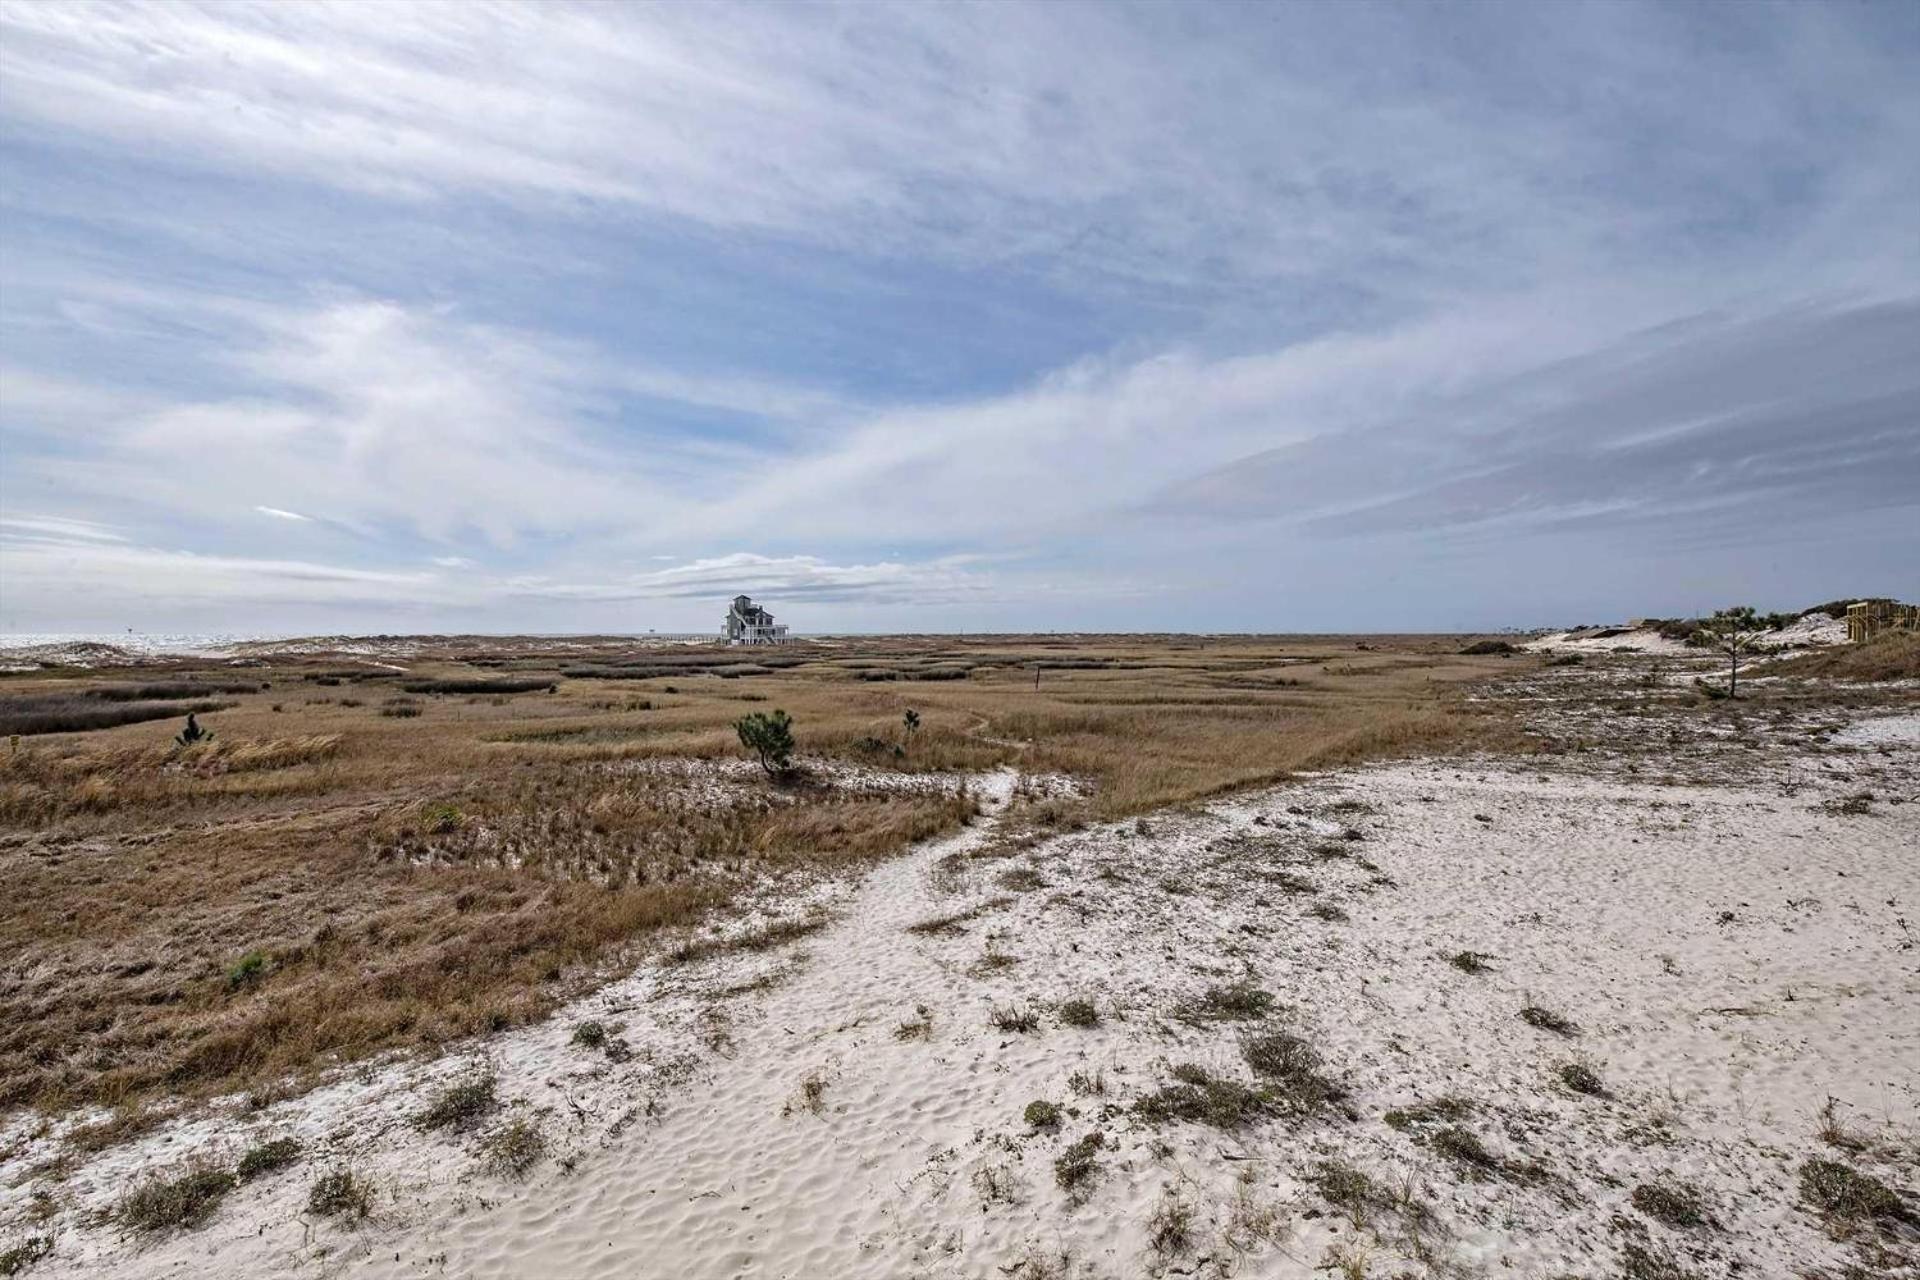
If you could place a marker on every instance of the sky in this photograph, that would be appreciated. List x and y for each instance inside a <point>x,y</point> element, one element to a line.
<point>381,317</point>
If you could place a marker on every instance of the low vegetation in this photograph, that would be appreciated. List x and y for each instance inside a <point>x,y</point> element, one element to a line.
<point>340,1193</point>
<point>459,1106</point>
<point>269,1157</point>
<point>589,818</point>
<point>183,1200</point>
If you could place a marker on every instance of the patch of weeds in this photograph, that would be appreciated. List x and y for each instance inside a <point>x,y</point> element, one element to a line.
<point>1854,806</point>
<point>1466,1150</point>
<point>1079,1013</point>
<point>1670,1201</point>
<point>590,1034</point>
<point>993,959</point>
<point>1474,962</point>
<point>1078,1166</point>
<point>340,1193</point>
<point>269,1157</point>
<point>996,1184</point>
<point>1041,1115</point>
<point>440,819</point>
<point>1252,1220</point>
<point>1638,1262</point>
<point>1547,1020</point>
<point>765,938</point>
<point>1346,1188</point>
<point>812,1097</point>
<point>1848,1199</point>
<point>1581,1078</point>
<point>1014,1017</point>
<point>1449,1109</point>
<point>1834,1130</point>
<point>1087,1086</point>
<point>515,1147</point>
<point>162,1204</point>
<point>1196,1095</point>
<point>1235,1002</point>
<point>247,970</point>
<point>459,1106</point>
<point>919,1027</point>
<point>1170,1225</point>
<point>19,1257</point>
<point>1328,912</point>
<point>1291,1068</point>
<point>949,923</point>
<point>1287,882</point>
<point>1021,879</point>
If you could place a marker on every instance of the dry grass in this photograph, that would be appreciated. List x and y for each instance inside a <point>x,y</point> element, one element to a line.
<point>409,881</point>
<point>1894,655</point>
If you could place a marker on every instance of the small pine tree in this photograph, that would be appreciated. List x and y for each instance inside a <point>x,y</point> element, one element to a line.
<point>193,735</point>
<point>1731,631</point>
<point>770,737</point>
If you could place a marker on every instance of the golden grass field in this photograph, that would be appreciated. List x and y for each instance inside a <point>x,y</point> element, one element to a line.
<point>349,867</point>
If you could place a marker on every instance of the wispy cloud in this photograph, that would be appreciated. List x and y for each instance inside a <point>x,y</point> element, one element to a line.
<point>278,514</point>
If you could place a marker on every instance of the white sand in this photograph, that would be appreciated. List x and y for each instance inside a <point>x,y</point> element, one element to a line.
<point>1731,954</point>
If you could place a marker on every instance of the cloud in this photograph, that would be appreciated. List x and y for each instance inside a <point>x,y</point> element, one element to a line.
<point>1162,146</point>
<point>56,529</point>
<point>278,514</point>
<point>1747,426</point>
<point>807,579</point>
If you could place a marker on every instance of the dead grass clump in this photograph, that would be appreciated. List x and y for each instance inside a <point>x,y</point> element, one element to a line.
<point>269,1157</point>
<point>997,1184</point>
<point>1078,1166</point>
<point>1235,1002</point>
<point>1079,1012</point>
<point>340,1193</point>
<point>459,1106</point>
<point>918,1027</point>
<point>1448,1109</point>
<point>779,933</point>
<point>1547,1020</point>
<point>1474,962</point>
<point>17,1258</point>
<point>1670,1201</point>
<point>1290,1068</point>
<point>1197,1095</point>
<point>1640,1262</point>
<point>1465,1149</point>
<point>1328,912</point>
<point>1021,879</point>
<point>1581,1078</point>
<point>1848,1200</point>
<point>1014,1018</point>
<point>1170,1225</point>
<point>514,1148</point>
<point>185,1200</point>
<point>812,1096</point>
<point>1346,1188</point>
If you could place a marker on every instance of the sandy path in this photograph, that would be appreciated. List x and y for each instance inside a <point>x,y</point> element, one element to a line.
<point>738,1164</point>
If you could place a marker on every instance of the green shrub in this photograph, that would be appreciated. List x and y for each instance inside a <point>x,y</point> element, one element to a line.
<point>340,1192</point>
<point>269,1157</point>
<point>161,1204</point>
<point>247,970</point>
<point>769,735</point>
